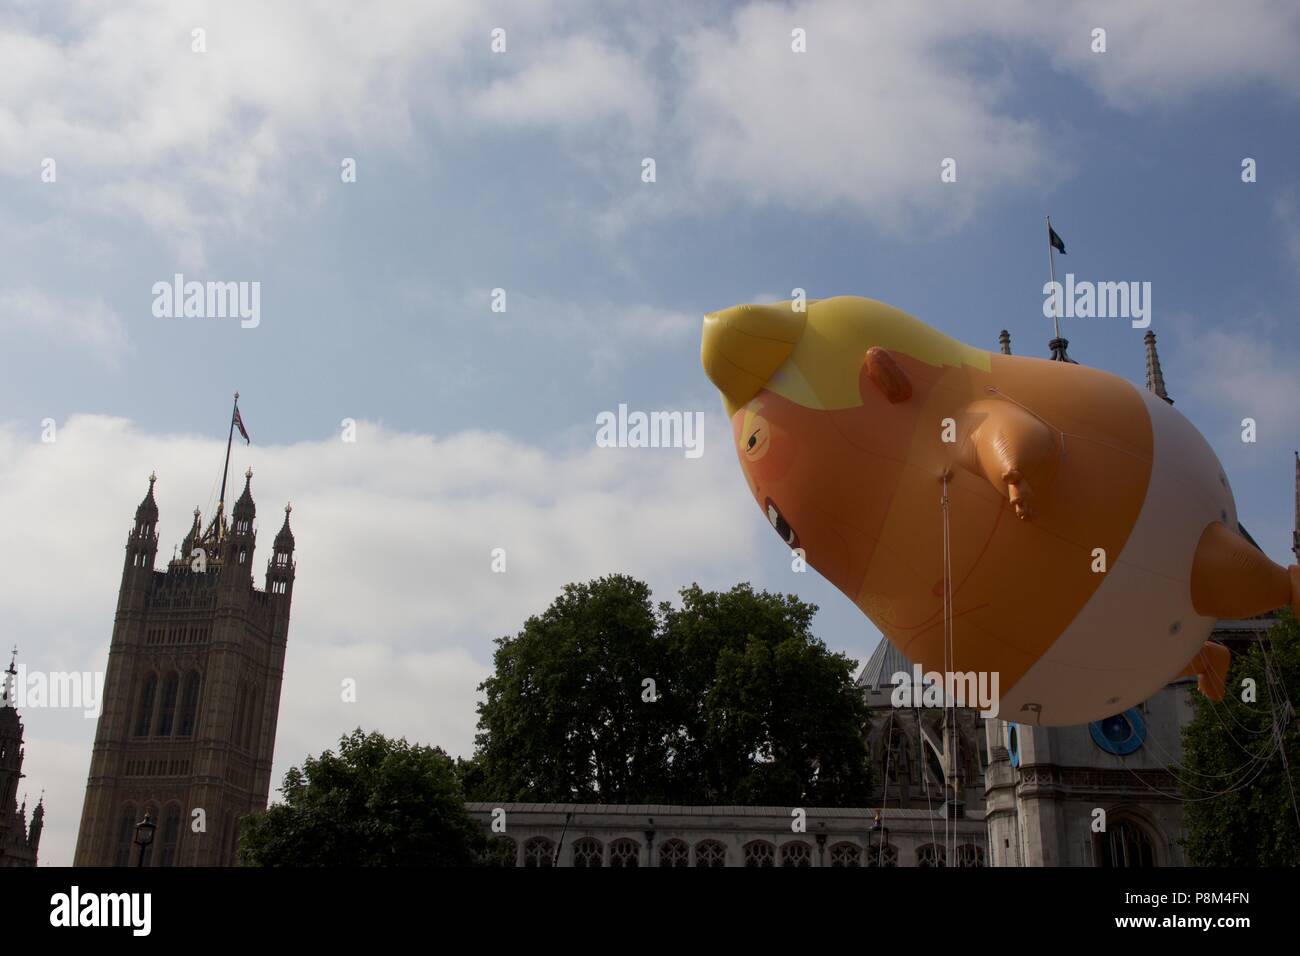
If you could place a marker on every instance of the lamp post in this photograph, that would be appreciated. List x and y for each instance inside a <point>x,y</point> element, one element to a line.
<point>144,836</point>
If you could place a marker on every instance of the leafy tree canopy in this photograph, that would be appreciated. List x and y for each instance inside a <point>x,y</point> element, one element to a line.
<point>1241,806</point>
<point>727,699</point>
<point>377,802</point>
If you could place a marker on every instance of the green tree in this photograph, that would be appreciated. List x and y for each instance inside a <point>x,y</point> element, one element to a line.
<point>377,802</point>
<point>563,717</point>
<point>1241,806</point>
<point>769,715</point>
<point>748,708</point>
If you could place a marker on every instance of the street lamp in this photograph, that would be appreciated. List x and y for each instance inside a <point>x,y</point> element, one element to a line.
<point>144,836</point>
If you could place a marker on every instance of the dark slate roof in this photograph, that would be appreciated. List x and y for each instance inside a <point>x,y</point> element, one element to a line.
<point>884,663</point>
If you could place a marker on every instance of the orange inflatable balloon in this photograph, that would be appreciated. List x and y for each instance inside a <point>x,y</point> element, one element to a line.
<point>1092,534</point>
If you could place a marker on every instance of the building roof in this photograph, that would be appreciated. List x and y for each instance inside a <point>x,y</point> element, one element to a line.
<point>884,663</point>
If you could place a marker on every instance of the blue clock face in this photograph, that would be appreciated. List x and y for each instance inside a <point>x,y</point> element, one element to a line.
<point>1013,745</point>
<point>1121,734</point>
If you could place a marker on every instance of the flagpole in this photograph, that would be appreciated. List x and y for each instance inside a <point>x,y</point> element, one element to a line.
<point>226,470</point>
<point>1051,273</point>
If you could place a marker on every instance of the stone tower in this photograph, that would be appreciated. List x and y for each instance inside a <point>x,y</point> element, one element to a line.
<point>18,842</point>
<point>191,695</point>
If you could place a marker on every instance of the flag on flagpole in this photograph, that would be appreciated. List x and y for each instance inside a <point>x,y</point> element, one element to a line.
<point>1055,240</point>
<point>239,423</point>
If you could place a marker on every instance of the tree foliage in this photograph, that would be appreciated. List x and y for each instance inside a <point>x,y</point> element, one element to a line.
<point>727,699</point>
<point>377,802</point>
<point>1241,807</point>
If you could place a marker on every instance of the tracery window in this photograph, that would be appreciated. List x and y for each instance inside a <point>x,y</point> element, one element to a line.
<point>674,853</point>
<point>144,709</point>
<point>588,852</point>
<point>970,855</point>
<point>931,854</point>
<point>625,853</point>
<point>846,854</point>
<point>1124,843</point>
<point>167,713</point>
<point>170,831</point>
<point>189,705</point>
<point>882,856</point>
<point>710,853</point>
<point>126,836</point>
<point>796,853</point>
<point>539,851</point>
<point>760,853</point>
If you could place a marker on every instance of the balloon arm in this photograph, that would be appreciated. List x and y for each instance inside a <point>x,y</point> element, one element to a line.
<point>1210,667</point>
<point>1015,451</point>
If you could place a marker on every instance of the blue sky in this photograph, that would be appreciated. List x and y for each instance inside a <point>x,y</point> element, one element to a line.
<point>522,171</point>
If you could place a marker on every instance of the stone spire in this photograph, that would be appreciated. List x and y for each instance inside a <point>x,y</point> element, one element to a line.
<point>1155,378</point>
<point>244,507</point>
<point>1004,341</point>
<point>147,512</point>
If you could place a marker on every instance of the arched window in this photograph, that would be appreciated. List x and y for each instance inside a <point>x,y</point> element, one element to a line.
<point>251,728</point>
<point>588,852</point>
<point>894,753</point>
<point>796,853</point>
<point>846,854</point>
<point>167,713</point>
<point>710,853</point>
<point>970,855</point>
<point>1125,843</point>
<point>144,710</point>
<point>886,855</point>
<point>760,853</point>
<point>126,836</point>
<point>169,834</point>
<point>539,851</point>
<point>625,853</point>
<point>674,853</point>
<point>931,854</point>
<point>241,708</point>
<point>189,705</point>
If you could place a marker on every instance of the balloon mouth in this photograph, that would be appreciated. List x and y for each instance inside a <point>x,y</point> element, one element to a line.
<point>777,520</point>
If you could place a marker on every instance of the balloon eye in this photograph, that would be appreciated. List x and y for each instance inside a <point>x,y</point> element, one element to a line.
<point>753,440</point>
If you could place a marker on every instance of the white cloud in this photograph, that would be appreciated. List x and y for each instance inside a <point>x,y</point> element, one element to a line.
<point>394,538</point>
<point>82,324</point>
<point>577,82</point>
<point>197,144</point>
<point>1235,369</point>
<point>861,121</point>
<point>1166,53</point>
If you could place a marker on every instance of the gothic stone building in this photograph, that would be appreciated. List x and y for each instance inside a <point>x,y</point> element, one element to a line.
<point>191,695</point>
<point>19,843</point>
